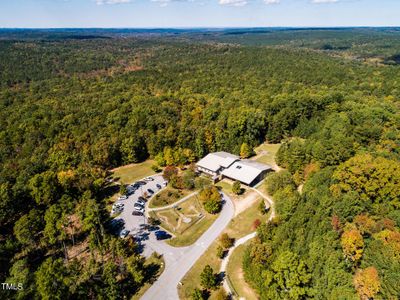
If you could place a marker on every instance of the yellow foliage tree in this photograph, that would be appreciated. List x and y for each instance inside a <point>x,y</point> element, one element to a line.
<point>352,244</point>
<point>366,281</point>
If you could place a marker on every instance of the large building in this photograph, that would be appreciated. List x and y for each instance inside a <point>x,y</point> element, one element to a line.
<point>221,165</point>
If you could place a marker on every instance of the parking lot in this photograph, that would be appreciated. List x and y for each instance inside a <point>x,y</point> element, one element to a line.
<point>136,224</point>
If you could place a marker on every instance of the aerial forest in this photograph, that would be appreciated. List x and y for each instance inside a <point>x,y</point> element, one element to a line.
<point>75,105</point>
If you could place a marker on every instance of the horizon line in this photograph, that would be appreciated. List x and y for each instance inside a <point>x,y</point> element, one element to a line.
<point>210,27</point>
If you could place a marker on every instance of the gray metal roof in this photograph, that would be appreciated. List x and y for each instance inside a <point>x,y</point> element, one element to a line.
<point>245,170</point>
<point>214,161</point>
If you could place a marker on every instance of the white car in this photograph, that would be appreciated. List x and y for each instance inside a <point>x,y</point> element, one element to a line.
<point>121,198</point>
<point>149,178</point>
<point>118,205</point>
<point>124,233</point>
<point>141,202</point>
<point>140,209</point>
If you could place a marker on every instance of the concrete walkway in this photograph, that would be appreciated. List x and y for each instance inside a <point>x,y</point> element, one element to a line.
<point>181,260</point>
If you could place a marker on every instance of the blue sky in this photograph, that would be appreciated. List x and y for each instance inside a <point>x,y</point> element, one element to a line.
<point>198,13</point>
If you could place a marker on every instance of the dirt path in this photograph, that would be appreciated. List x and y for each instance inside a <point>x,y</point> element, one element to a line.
<point>243,204</point>
<point>243,240</point>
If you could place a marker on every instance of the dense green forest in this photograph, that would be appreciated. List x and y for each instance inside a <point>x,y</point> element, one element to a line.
<point>75,104</point>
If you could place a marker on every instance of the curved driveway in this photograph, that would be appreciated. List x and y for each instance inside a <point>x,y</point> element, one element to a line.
<point>178,261</point>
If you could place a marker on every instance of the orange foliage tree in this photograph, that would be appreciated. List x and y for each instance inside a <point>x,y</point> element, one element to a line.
<point>367,284</point>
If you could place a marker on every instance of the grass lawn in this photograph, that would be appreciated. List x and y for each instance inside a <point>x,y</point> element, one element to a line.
<point>133,172</point>
<point>168,196</point>
<point>192,278</point>
<point>235,273</point>
<point>155,266</point>
<point>267,153</point>
<point>190,235</point>
<point>187,222</point>
<point>226,186</point>
<point>240,226</point>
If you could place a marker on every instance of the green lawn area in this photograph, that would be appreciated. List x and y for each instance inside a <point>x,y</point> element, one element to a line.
<point>133,172</point>
<point>226,186</point>
<point>188,221</point>
<point>240,226</point>
<point>168,196</point>
<point>235,273</point>
<point>267,153</point>
<point>192,278</point>
<point>155,266</point>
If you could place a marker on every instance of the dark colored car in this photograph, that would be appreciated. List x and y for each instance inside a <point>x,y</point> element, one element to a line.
<point>137,213</point>
<point>142,199</point>
<point>151,192</point>
<point>158,186</point>
<point>162,235</point>
<point>141,182</point>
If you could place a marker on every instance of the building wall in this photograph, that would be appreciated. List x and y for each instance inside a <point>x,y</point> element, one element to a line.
<point>204,170</point>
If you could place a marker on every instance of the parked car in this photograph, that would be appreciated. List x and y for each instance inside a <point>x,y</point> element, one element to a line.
<point>124,233</point>
<point>141,182</point>
<point>121,198</point>
<point>117,223</point>
<point>137,213</point>
<point>165,183</point>
<point>142,199</point>
<point>137,204</point>
<point>141,202</point>
<point>162,235</point>
<point>118,205</point>
<point>140,209</point>
<point>150,191</point>
<point>149,178</point>
<point>158,186</point>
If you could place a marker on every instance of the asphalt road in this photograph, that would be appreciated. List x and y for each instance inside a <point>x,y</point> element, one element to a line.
<point>178,261</point>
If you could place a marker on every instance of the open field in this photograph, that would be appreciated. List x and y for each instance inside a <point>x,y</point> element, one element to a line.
<point>240,226</point>
<point>265,153</point>
<point>168,196</point>
<point>236,276</point>
<point>133,172</point>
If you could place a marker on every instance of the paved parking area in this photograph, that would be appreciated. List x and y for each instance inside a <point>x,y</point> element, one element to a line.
<point>135,223</point>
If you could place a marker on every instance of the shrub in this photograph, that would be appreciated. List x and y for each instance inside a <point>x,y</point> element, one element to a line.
<point>236,188</point>
<point>220,252</point>
<point>156,168</point>
<point>226,241</point>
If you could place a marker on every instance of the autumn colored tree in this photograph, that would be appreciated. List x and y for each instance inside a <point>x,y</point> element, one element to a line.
<point>335,222</point>
<point>374,179</point>
<point>256,223</point>
<point>211,199</point>
<point>353,244</point>
<point>365,224</point>
<point>170,171</point>
<point>367,283</point>
<point>226,241</point>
